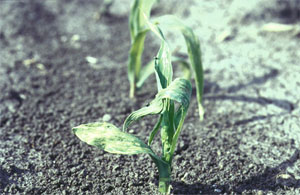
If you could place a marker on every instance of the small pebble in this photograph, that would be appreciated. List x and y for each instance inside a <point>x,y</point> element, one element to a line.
<point>63,39</point>
<point>28,62</point>
<point>106,117</point>
<point>260,192</point>
<point>131,131</point>
<point>218,190</point>
<point>251,166</point>
<point>277,27</point>
<point>75,38</point>
<point>40,66</point>
<point>91,59</point>
<point>225,35</point>
<point>221,165</point>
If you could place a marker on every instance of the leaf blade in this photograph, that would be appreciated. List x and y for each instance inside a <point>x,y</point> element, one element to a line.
<point>163,65</point>
<point>138,31</point>
<point>194,53</point>
<point>109,138</point>
<point>155,107</point>
<point>179,90</point>
<point>155,130</point>
<point>135,60</point>
<point>136,18</point>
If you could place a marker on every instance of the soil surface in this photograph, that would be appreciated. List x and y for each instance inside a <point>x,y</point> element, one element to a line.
<point>248,143</point>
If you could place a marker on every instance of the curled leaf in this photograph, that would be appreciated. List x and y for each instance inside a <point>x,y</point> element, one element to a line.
<point>163,66</point>
<point>179,90</point>
<point>155,107</point>
<point>194,52</point>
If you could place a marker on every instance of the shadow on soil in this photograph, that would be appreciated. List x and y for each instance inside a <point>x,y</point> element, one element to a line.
<point>213,88</point>
<point>269,180</point>
<point>255,81</point>
<point>283,104</point>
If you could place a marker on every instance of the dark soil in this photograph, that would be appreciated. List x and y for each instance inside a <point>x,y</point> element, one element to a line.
<point>248,143</point>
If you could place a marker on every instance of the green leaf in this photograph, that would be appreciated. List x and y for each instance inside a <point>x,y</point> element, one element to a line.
<point>138,31</point>
<point>167,129</point>
<point>155,107</point>
<point>109,138</point>
<point>154,28</point>
<point>193,46</point>
<point>155,130</point>
<point>180,117</point>
<point>136,18</point>
<point>163,66</point>
<point>179,90</point>
<point>135,60</point>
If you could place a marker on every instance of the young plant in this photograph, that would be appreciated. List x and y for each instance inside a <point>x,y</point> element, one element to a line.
<point>138,30</point>
<point>170,119</point>
<point>137,73</point>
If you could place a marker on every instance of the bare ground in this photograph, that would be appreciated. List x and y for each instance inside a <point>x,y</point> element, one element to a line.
<point>248,143</point>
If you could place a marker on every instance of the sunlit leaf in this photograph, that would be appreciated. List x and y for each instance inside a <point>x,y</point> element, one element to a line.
<point>180,116</point>
<point>138,31</point>
<point>155,107</point>
<point>179,90</point>
<point>193,46</point>
<point>163,66</point>
<point>136,18</point>
<point>135,60</point>
<point>155,130</point>
<point>109,138</point>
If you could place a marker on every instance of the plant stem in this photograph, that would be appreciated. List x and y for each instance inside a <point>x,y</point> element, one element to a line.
<point>164,170</point>
<point>132,90</point>
<point>164,178</point>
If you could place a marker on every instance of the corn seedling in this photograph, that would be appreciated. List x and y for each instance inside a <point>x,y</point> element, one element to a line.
<point>171,116</point>
<point>137,73</point>
<point>138,30</point>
